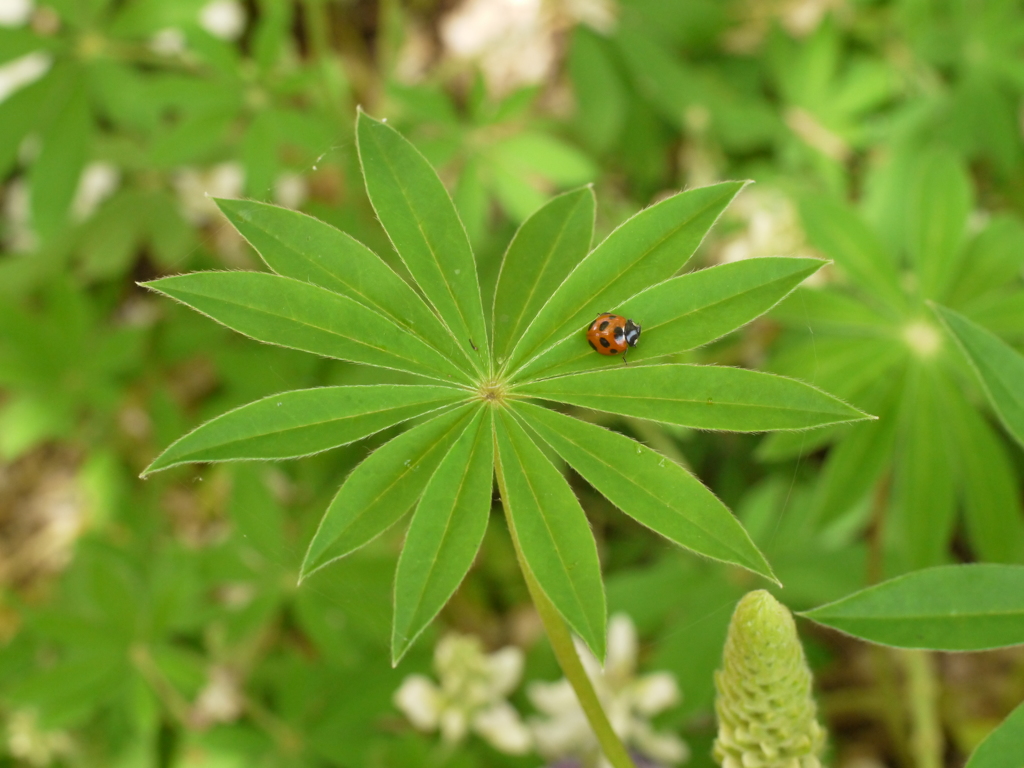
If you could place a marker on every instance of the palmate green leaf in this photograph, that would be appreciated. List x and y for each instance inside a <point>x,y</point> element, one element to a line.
<point>856,461</point>
<point>685,312</point>
<point>303,422</point>
<point>543,252</point>
<point>923,490</point>
<point>939,205</point>
<point>946,608</point>
<point>307,249</point>
<point>849,368</point>
<point>1001,748</point>
<point>1001,313</point>
<point>445,533</point>
<point>552,531</point>
<point>383,488</point>
<point>648,487</point>
<point>999,367</point>
<point>420,218</point>
<point>701,396</point>
<point>648,248</point>
<point>839,233</point>
<point>829,308</point>
<point>289,313</point>
<point>993,260</point>
<point>988,485</point>
<point>54,175</point>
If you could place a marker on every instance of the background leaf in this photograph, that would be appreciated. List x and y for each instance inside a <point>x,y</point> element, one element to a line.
<point>946,608</point>
<point>999,367</point>
<point>1001,748</point>
<point>939,205</point>
<point>993,518</point>
<point>923,485</point>
<point>840,234</point>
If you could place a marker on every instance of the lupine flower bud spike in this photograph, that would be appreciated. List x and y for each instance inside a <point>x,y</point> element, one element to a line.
<point>766,713</point>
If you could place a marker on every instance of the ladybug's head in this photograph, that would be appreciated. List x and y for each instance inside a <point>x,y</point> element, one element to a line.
<point>632,332</point>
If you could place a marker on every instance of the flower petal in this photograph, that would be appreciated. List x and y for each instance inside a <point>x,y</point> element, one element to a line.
<point>501,726</point>
<point>506,669</point>
<point>420,701</point>
<point>655,692</point>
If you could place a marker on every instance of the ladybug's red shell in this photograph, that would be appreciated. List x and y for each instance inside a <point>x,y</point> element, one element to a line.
<point>612,334</point>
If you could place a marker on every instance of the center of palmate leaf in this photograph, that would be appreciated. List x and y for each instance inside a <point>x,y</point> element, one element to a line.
<point>492,391</point>
<point>923,338</point>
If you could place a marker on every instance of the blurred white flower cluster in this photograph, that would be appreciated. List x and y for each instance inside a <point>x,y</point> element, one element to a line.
<point>224,19</point>
<point>99,180</point>
<point>800,18</point>
<point>473,686</point>
<point>15,13</point>
<point>516,42</point>
<point>28,743</point>
<point>196,189</point>
<point>24,70</point>
<point>629,700</point>
<point>770,227</point>
<point>471,695</point>
<point>220,701</point>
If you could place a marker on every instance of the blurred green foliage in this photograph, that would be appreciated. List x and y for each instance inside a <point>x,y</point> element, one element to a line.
<point>158,622</point>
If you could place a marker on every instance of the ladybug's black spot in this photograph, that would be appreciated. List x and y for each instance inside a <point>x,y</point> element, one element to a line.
<point>604,343</point>
<point>603,325</point>
<point>618,331</point>
<point>591,345</point>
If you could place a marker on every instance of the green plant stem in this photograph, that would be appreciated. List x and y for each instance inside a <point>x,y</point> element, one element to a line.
<point>565,652</point>
<point>923,694</point>
<point>891,712</point>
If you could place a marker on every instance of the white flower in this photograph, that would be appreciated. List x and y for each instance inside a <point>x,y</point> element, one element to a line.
<point>290,190</point>
<point>470,697</point>
<point>22,71</point>
<point>509,38</point>
<point>771,228</point>
<point>15,13</point>
<point>800,18</point>
<point>98,182</point>
<point>168,42</point>
<point>220,701</point>
<point>601,15</point>
<point>17,212</point>
<point>196,189</point>
<point>223,18</point>
<point>27,742</point>
<point>628,700</point>
<point>515,42</point>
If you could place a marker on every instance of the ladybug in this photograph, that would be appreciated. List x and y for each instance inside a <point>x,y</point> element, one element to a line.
<point>611,334</point>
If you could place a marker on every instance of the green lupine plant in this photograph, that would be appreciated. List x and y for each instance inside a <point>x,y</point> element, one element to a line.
<point>477,417</point>
<point>875,341</point>
<point>766,713</point>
